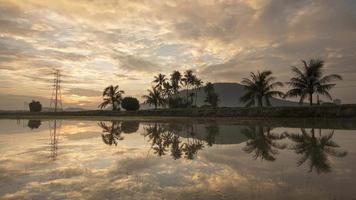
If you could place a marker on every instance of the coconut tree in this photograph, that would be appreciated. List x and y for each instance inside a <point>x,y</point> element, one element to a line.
<point>188,81</point>
<point>167,90</point>
<point>262,142</point>
<point>198,83</point>
<point>310,80</point>
<point>176,81</point>
<point>212,97</point>
<point>160,79</point>
<point>112,96</point>
<point>260,87</point>
<point>315,149</point>
<point>154,97</point>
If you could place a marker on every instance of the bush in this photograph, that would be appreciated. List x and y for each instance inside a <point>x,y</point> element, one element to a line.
<point>35,106</point>
<point>130,104</point>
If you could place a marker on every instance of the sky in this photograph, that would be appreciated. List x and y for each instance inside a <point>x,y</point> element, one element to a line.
<point>115,42</point>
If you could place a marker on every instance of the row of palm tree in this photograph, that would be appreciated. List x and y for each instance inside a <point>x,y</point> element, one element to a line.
<point>259,88</point>
<point>165,89</point>
<point>309,80</point>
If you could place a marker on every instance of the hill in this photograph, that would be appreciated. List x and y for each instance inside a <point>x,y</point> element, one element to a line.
<point>229,95</point>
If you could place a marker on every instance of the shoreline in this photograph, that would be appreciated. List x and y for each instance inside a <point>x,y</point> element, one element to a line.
<point>342,111</point>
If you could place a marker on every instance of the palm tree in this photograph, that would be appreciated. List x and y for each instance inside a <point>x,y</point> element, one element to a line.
<point>310,80</point>
<point>197,84</point>
<point>315,149</point>
<point>260,86</point>
<point>159,80</point>
<point>188,80</point>
<point>262,142</point>
<point>175,81</point>
<point>112,96</point>
<point>154,97</point>
<point>212,97</point>
<point>167,90</point>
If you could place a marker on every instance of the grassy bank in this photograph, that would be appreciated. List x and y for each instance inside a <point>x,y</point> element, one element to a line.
<point>343,111</point>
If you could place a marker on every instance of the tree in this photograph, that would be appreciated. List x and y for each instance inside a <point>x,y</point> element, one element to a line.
<point>130,104</point>
<point>167,90</point>
<point>188,81</point>
<point>112,96</point>
<point>310,80</point>
<point>260,87</point>
<point>159,80</point>
<point>176,81</point>
<point>316,149</point>
<point>154,97</point>
<point>197,86</point>
<point>35,106</point>
<point>212,97</point>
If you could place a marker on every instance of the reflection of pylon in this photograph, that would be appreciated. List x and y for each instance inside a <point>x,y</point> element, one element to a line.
<point>56,99</point>
<point>54,135</point>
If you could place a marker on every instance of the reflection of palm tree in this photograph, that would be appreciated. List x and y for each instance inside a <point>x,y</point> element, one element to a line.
<point>176,148</point>
<point>191,148</point>
<point>164,137</point>
<point>316,150</point>
<point>111,134</point>
<point>262,142</point>
<point>212,131</point>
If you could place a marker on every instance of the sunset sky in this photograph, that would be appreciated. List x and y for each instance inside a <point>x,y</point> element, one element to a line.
<point>99,43</point>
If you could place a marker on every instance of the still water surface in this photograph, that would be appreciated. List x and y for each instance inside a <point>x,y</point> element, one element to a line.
<point>205,159</point>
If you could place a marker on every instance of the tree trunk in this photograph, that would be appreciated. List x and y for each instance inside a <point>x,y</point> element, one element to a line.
<point>260,102</point>
<point>311,99</point>
<point>155,106</point>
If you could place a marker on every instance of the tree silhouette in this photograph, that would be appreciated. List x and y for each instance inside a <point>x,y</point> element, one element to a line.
<point>154,97</point>
<point>262,142</point>
<point>198,83</point>
<point>315,149</point>
<point>212,97</point>
<point>111,133</point>
<point>176,81</point>
<point>188,81</point>
<point>310,80</point>
<point>159,80</point>
<point>260,86</point>
<point>112,96</point>
<point>35,106</point>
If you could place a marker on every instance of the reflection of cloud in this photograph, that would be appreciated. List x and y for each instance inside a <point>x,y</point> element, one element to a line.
<point>88,169</point>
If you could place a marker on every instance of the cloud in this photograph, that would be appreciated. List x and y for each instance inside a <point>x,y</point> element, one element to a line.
<point>84,92</point>
<point>117,42</point>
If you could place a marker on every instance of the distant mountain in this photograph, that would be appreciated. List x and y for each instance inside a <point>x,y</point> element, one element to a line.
<point>229,95</point>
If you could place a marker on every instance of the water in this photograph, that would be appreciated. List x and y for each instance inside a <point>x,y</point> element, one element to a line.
<point>177,159</point>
